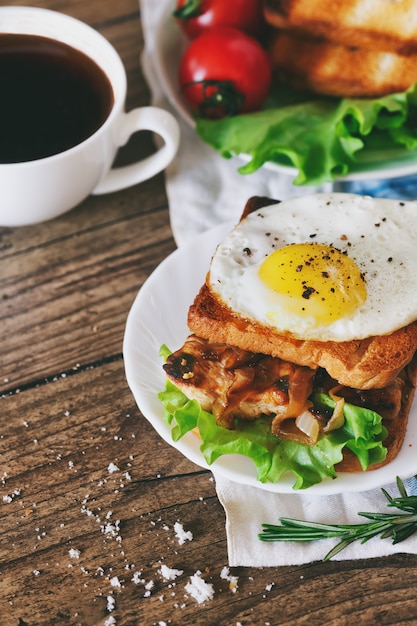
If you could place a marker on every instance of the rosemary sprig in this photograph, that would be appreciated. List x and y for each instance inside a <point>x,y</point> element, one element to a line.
<point>397,526</point>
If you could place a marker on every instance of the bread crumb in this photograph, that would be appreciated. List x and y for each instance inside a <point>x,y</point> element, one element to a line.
<point>233,580</point>
<point>10,497</point>
<point>169,573</point>
<point>199,589</point>
<point>74,554</point>
<point>181,534</point>
<point>112,468</point>
<point>137,578</point>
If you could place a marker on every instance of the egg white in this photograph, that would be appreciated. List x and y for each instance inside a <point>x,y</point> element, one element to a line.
<point>380,235</point>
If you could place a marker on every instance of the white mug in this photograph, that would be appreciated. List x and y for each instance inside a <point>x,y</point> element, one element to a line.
<point>36,190</point>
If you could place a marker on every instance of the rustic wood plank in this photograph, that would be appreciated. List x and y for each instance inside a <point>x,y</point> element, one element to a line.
<point>68,300</point>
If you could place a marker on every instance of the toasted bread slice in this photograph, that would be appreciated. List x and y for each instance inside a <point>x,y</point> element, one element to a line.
<point>362,364</point>
<point>340,71</point>
<point>390,26</point>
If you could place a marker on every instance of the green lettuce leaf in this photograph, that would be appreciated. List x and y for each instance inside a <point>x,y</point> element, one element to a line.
<point>321,137</point>
<point>362,433</point>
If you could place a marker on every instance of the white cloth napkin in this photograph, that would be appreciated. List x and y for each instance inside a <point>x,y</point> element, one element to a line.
<point>203,190</point>
<point>247,508</point>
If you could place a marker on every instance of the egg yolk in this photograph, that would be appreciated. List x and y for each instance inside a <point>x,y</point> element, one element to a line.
<point>314,281</point>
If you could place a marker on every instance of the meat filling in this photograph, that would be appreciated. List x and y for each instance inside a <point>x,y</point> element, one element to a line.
<point>232,383</point>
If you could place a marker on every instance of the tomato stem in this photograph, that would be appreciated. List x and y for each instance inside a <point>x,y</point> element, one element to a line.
<point>191,8</point>
<point>220,98</point>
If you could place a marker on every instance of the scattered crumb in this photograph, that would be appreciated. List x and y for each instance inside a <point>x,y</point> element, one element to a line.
<point>199,589</point>
<point>150,585</point>
<point>137,578</point>
<point>181,534</point>
<point>233,580</point>
<point>170,573</point>
<point>74,554</point>
<point>112,468</point>
<point>10,497</point>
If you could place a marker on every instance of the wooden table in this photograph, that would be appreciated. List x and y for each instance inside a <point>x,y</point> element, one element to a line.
<point>89,493</point>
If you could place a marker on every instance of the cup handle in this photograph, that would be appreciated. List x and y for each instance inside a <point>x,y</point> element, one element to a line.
<point>144,118</point>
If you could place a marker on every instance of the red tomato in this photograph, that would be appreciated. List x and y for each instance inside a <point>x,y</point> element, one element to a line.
<point>197,16</point>
<point>224,72</point>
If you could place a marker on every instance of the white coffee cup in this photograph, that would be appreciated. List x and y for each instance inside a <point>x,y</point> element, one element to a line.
<point>41,189</point>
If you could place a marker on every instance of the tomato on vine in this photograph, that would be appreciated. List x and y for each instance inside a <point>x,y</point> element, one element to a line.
<point>197,16</point>
<point>224,72</point>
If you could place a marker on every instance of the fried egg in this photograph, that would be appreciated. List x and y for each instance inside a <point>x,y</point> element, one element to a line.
<point>325,267</point>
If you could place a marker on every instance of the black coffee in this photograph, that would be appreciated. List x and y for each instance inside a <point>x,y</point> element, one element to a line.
<point>52,97</point>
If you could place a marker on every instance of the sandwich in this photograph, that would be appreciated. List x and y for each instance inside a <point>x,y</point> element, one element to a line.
<point>344,49</point>
<point>303,338</point>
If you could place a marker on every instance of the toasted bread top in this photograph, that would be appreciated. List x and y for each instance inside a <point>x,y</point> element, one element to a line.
<point>391,27</point>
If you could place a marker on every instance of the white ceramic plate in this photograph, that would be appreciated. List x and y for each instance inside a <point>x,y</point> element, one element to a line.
<point>159,315</point>
<point>170,43</point>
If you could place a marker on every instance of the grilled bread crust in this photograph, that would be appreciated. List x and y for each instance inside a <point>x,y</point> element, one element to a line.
<point>336,70</point>
<point>390,25</point>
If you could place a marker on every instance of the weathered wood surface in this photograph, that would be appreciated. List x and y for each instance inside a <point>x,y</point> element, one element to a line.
<point>81,541</point>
